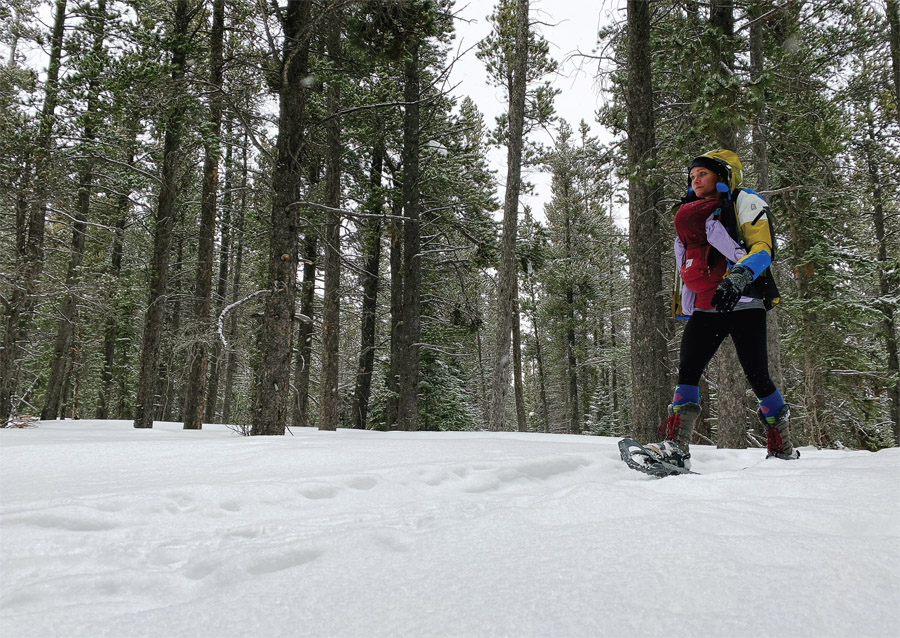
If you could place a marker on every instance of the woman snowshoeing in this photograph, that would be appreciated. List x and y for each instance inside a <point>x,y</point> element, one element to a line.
<point>723,250</point>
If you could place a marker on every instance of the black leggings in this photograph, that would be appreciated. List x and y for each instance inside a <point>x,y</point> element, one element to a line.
<point>705,332</point>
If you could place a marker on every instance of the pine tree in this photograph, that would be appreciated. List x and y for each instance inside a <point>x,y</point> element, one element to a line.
<point>370,238</point>
<point>725,129</point>
<point>195,392</point>
<point>68,309</point>
<point>274,367</point>
<point>30,227</point>
<point>515,58</point>
<point>331,327</point>
<point>647,344</point>
<point>164,216</point>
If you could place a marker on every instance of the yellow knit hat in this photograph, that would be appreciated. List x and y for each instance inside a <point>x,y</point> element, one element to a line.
<point>725,163</point>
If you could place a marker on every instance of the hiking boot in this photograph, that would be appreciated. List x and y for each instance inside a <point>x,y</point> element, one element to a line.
<point>778,434</point>
<point>677,429</point>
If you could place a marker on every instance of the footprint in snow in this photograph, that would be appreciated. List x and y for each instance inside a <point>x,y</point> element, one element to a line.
<point>316,492</point>
<point>362,482</point>
<point>281,561</point>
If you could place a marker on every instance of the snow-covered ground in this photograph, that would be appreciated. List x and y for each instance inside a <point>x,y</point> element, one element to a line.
<point>110,531</point>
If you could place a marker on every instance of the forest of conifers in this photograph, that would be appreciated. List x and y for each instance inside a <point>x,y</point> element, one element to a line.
<point>279,214</point>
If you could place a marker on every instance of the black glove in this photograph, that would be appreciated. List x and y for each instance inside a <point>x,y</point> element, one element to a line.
<point>732,288</point>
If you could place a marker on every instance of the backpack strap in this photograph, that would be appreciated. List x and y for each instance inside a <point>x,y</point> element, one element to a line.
<point>728,217</point>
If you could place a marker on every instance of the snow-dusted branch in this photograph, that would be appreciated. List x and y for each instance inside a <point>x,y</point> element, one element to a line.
<point>220,330</point>
<point>221,322</point>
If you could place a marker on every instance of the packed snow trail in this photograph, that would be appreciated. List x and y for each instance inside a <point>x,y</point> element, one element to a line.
<point>106,530</point>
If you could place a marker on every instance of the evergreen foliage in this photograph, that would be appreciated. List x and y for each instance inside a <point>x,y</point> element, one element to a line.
<point>86,149</point>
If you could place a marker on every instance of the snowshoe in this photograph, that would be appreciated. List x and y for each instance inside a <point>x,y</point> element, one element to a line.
<point>639,458</point>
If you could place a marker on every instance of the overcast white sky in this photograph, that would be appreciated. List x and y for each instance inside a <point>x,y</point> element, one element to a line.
<point>570,26</point>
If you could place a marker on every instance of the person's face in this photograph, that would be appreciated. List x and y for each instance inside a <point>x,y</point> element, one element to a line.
<point>703,181</point>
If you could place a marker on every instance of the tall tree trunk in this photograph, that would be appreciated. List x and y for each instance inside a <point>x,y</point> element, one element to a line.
<point>111,327</point>
<point>760,149</point>
<point>482,376</point>
<point>732,418</point>
<point>613,367</point>
<point>572,366</point>
<point>302,368</point>
<point>215,360</point>
<point>396,263</point>
<point>612,275</point>
<point>113,318</point>
<point>518,385</point>
<point>887,280</point>
<point>30,226</point>
<point>648,347</point>
<point>164,218</point>
<point>804,275</point>
<point>76,378</point>
<point>721,19</point>
<point>371,239</point>
<point>60,362</point>
<point>507,276</point>
<point>760,144</point>
<point>330,404</point>
<point>231,356</point>
<point>274,367</point>
<point>195,390</point>
<point>539,360</point>
<point>69,308</point>
<point>306,328</point>
<point>572,403</point>
<point>545,412</point>
<point>67,385</point>
<point>116,315</point>
<point>169,382</point>
<point>733,422</point>
<point>411,327</point>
